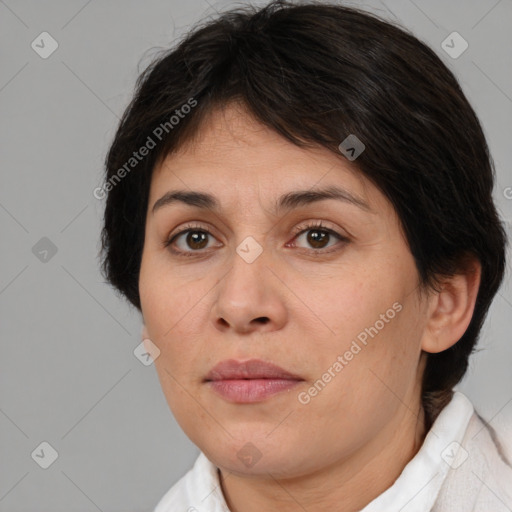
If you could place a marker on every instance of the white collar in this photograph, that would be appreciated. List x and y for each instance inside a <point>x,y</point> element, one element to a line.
<point>417,487</point>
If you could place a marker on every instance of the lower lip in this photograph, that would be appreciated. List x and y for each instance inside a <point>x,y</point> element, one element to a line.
<point>250,390</point>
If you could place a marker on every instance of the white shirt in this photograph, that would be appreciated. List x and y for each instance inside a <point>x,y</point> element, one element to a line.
<point>457,469</point>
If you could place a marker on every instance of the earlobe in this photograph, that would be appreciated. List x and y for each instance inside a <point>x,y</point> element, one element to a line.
<point>145,333</point>
<point>451,309</point>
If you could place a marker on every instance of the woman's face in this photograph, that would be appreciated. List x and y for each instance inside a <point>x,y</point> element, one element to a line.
<point>338,306</point>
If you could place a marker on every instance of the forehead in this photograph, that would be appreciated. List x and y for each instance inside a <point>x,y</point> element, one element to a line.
<point>232,154</point>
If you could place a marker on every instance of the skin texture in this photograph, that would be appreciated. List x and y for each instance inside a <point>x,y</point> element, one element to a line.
<point>350,441</point>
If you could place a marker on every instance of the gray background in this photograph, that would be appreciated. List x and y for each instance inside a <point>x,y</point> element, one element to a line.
<point>68,374</point>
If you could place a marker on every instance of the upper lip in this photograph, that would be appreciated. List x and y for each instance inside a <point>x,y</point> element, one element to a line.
<point>251,369</point>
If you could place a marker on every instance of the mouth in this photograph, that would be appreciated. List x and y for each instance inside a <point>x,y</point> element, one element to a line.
<point>249,381</point>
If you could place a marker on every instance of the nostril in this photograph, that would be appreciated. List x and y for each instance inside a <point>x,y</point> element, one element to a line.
<point>262,319</point>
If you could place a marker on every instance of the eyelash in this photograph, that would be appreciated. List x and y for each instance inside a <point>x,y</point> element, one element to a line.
<point>299,230</point>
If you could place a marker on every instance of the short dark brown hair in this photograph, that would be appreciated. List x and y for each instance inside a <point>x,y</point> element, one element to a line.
<point>315,73</point>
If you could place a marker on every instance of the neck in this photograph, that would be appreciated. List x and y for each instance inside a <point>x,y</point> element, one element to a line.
<point>346,486</point>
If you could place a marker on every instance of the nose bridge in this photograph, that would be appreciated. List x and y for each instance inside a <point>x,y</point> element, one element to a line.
<point>247,274</point>
<point>246,297</point>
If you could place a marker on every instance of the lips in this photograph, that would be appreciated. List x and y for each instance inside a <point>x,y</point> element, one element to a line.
<point>249,381</point>
<point>231,369</point>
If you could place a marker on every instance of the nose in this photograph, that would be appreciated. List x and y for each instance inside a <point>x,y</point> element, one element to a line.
<point>249,297</point>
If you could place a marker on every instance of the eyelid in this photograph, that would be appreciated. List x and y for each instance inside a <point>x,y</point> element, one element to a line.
<point>316,224</point>
<point>189,227</point>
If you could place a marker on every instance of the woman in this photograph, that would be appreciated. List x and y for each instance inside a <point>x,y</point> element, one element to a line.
<point>312,242</point>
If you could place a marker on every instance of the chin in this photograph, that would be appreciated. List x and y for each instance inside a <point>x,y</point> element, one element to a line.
<point>258,456</point>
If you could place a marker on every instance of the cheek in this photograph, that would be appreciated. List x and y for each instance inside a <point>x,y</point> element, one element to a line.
<point>169,303</point>
<point>376,327</point>
<point>376,376</point>
<point>187,410</point>
<point>350,305</point>
<point>175,315</point>
<point>388,362</point>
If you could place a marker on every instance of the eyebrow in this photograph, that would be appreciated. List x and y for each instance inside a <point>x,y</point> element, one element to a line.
<point>286,202</point>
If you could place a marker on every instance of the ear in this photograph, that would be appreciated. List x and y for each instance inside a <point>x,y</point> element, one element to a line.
<point>451,309</point>
<point>145,334</point>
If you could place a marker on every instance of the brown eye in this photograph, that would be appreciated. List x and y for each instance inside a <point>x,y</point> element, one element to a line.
<point>196,239</point>
<point>318,238</point>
